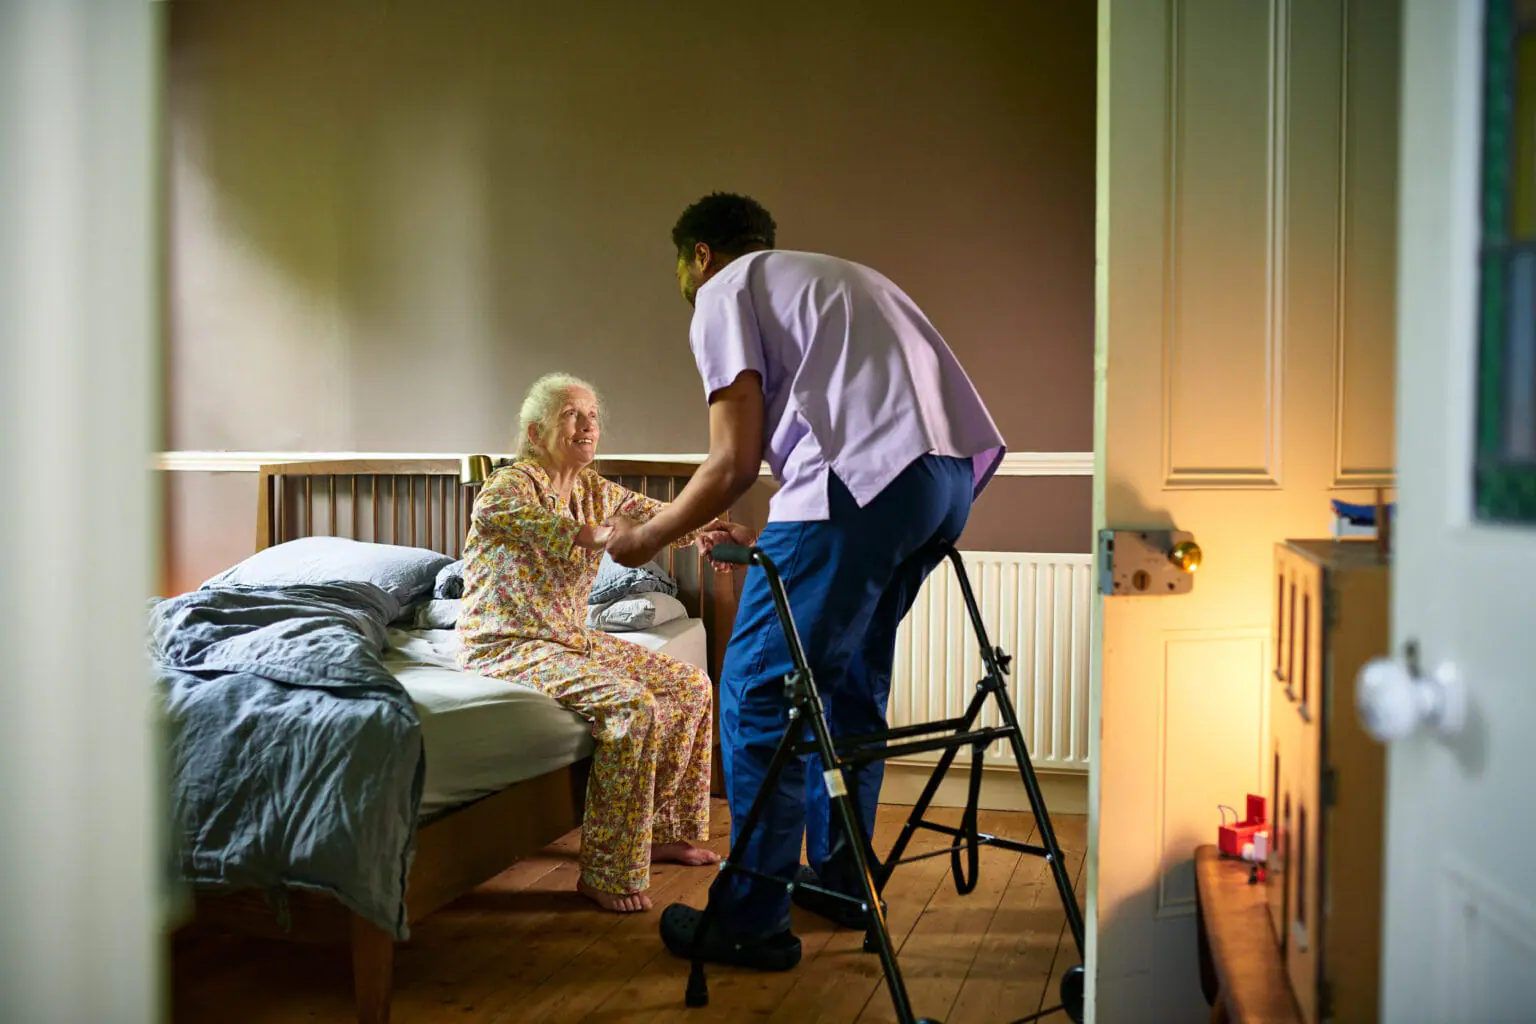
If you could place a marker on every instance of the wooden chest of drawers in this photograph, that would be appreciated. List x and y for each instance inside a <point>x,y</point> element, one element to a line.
<point>1332,604</point>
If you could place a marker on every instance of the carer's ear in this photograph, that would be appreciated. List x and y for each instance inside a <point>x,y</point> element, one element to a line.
<point>702,255</point>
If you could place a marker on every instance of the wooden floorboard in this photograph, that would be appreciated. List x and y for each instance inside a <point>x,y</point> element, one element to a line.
<point>1066,952</point>
<point>938,956</point>
<point>1011,976</point>
<point>843,979</point>
<point>525,947</point>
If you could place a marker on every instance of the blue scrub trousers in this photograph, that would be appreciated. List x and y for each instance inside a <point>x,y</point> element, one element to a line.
<point>850,580</point>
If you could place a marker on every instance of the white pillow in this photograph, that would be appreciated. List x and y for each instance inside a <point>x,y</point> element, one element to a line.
<point>642,611</point>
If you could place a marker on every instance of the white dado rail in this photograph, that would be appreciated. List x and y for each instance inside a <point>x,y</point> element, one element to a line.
<point>1035,606</point>
<point>1014,463</point>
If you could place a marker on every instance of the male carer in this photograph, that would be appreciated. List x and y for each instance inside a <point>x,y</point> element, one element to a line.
<point>880,443</point>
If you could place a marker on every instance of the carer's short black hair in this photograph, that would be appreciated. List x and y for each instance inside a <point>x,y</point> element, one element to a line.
<point>729,224</point>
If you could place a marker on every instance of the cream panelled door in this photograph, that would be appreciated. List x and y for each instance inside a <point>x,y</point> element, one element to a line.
<point>1244,358</point>
<point>1460,900</point>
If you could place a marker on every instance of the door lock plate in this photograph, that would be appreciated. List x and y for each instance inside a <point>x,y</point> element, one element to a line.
<point>1147,563</point>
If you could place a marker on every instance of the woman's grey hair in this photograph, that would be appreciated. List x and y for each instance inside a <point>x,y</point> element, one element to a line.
<point>542,406</point>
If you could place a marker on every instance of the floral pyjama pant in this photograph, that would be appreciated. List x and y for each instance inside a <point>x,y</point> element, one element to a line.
<point>650,716</point>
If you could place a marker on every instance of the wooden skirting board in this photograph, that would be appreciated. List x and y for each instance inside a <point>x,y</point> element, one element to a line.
<point>1001,788</point>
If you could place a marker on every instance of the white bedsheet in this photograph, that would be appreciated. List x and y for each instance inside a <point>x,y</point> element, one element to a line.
<point>483,734</point>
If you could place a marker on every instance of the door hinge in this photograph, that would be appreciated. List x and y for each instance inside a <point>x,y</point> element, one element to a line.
<point>1325,1000</point>
<point>1329,785</point>
<point>1331,604</point>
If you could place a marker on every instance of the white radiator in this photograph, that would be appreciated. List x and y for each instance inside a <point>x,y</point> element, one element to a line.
<point>1036,608</point>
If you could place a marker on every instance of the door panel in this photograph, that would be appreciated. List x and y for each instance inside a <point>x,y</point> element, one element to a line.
<point>1364,431</point>
<point>1217,295</point>
<point>1190,705</point>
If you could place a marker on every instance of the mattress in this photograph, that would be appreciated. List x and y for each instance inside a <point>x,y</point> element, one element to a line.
<point>481,734</point>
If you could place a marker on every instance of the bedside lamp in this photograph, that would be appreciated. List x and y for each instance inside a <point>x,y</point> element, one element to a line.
<point>474,469</point>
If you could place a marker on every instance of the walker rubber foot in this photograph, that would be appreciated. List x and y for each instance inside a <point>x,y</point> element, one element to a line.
<point>1072,993</point>
<point>698,988</point>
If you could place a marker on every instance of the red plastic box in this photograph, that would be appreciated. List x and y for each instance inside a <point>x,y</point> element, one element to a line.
<point>1231,837</point>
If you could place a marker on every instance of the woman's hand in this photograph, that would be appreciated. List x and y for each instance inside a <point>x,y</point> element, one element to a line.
<point>594,538</point>
<point>725,533</point>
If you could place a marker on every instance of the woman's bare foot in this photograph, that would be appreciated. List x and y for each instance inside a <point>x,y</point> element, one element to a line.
<point>618,902</point>
<point>683,853</point>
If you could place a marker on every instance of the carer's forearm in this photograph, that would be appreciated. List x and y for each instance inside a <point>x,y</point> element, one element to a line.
<point>708,495</point>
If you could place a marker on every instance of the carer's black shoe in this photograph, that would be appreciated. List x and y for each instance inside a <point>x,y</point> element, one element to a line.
<point>838,911</point>
<point>680,923</point>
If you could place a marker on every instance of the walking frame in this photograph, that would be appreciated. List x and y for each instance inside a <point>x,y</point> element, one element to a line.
<point>852,752</point>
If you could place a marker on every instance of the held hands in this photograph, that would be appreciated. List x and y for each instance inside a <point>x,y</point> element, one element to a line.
<point>629,543</point>
<point>594,538</point>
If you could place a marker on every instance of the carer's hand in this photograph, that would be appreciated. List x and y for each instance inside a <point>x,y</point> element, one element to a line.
<point>725,533</point>
<point>629,543</point>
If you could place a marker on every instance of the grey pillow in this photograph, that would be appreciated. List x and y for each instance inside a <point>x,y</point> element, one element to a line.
<point>633,613</point>
<point>615,581</point>
<point>442,613</point>
<point>623,616</point>
<point>405,573</point>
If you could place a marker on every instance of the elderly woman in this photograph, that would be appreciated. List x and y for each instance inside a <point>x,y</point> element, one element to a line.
<point>535,541</point>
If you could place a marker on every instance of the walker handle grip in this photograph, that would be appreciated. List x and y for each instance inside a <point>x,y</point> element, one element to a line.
<point>731,554</point>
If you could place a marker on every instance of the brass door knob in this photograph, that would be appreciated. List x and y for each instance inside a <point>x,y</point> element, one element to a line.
<point>1185,555</point>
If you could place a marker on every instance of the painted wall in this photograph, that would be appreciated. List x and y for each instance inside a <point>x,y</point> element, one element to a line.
<point>386,220</point>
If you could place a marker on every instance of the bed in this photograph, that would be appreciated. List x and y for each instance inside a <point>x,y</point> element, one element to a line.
<point>484,802</point>
<point>483,735</point>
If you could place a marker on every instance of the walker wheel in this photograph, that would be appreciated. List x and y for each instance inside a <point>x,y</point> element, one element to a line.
<point>1072,993</point>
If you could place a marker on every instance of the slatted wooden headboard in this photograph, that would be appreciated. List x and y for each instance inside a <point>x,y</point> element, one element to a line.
<point>418,503</point>
<point>423,503</point>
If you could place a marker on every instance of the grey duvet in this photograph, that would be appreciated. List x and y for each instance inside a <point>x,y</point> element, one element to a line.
<point>295,757</point>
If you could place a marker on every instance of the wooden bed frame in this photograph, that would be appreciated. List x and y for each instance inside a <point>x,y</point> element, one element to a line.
<point>424,503</point>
